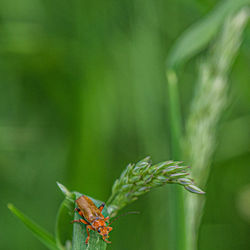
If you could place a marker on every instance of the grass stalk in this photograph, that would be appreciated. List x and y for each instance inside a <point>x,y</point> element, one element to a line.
<point>176,201</point>
<point>207,108</point>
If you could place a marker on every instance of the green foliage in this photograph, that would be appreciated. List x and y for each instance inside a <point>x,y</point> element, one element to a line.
<point>207,105</point>
<point>197,36</point>
<point>134,181</point>
<point>63,232</point>
<point>83,89</point>
<point>39,232</point>
<point>209,102</point>
<point>211,96</point>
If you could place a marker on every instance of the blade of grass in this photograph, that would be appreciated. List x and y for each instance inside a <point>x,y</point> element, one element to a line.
<point>63,231</point>
<point>41,234</point>
<point>196,37</point>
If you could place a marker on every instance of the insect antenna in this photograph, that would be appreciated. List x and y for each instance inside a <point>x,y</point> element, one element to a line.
<point>130,212</point>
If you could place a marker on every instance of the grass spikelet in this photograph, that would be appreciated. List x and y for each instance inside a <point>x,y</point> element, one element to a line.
<point>207,108</point>
<point>138,179</point>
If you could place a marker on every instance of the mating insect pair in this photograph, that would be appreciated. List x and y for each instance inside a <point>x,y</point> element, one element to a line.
<point>92,216</point>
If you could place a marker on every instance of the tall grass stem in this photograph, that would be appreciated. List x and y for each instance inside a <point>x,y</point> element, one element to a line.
<point>208,105</point>
<point>176,201</point>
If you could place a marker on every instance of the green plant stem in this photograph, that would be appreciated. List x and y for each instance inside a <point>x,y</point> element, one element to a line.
<point>176,196</point>
<point>175,114</point>
<point>207,109</point>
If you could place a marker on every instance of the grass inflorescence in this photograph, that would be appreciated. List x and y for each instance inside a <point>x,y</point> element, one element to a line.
<point>138,179</point>
<point>208,106</point>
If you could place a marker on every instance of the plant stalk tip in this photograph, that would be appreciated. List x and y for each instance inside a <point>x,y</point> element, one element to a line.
<point>10,206</point>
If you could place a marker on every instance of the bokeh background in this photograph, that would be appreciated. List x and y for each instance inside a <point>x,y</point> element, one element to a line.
<point>83,93</point>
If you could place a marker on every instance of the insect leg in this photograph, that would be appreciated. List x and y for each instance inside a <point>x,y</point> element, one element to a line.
<point>87,229</point>
<point>77,209</point>
<point>81,220</point>
<point>106,240</point>
<point>107,219</point>
<point>79,212</point>
<point>101,207</point>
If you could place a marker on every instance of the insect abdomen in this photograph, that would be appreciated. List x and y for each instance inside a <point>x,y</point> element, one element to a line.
<point>88,208</point>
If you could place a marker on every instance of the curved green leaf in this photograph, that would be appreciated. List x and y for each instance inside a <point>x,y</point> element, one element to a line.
<point>40,233</point>
<point>63,230</point>
<point>196,37</point>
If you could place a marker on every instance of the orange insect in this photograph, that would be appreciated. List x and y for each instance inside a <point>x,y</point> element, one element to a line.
<point>92,216</point>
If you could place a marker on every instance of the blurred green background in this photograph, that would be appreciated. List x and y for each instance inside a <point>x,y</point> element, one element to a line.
<point>83,93</point>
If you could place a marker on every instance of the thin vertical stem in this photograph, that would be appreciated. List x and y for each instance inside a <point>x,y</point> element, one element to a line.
<point>176,196</point>
<point>175,114</point>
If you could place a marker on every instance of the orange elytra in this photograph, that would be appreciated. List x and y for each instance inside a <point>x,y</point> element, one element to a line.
<point>92,216</point>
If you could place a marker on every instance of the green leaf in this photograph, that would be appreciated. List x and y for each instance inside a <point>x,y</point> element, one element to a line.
<point>196,37</point>
<point>69,195</point>
<point>80,234</point>
<point>46,238</point>
<point>63,229</point>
